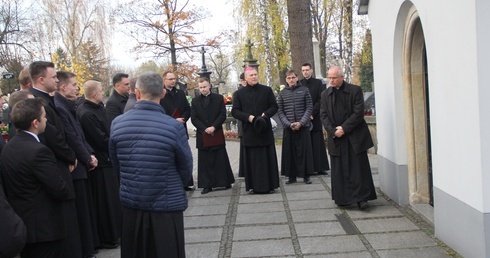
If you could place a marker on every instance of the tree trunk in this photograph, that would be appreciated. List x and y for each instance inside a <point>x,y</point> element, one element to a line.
<point>265,34</point>
<point>347,31</point>
<point>300,33</point>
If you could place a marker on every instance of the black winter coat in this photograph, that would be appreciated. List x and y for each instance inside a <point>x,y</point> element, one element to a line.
<point>96,129</point>
<point>115,106</point>
<point>54,137</point>
<point>355,127</point>
<point>176,99</point>
<point>255,100</point>
<point>74,135</point>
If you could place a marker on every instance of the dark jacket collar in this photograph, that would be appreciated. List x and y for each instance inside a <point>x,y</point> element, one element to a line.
<point>71,105</point>
<point>148,105</point>
<point>119,96</point>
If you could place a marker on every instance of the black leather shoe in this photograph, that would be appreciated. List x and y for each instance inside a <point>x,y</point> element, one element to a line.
<point>291,181</point>
<point>272,191</point>
<point>363,205</point>
<point>228,187</point>
<point>189,188</point>
<point>206,190</point>
<point>324,172</point>
<point>307,180</point>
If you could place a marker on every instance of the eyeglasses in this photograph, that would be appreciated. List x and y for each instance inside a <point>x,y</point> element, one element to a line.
<point>291,77</point>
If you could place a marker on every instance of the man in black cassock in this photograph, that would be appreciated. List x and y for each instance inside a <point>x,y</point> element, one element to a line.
<point>176,105</point>
<point>316,87</point>
<point>208,113</point>
<point>295,108</point>
<point>342,114</point>
<point>104,179</point>
<point>254,105</point>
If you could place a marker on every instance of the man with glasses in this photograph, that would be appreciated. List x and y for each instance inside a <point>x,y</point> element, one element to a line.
<point>295,108</point>
<point>176,105</point>
<point>342,114</point>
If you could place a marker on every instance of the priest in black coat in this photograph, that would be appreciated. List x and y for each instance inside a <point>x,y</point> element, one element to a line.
<point>208,114</point>
<point>104,180</point>
<point>176,105</point>
<point>254,105</point>
<point>342,113</point>
<point>316,87</point>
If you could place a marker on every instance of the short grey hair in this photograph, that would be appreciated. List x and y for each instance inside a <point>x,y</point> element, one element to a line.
<point>150,84</point>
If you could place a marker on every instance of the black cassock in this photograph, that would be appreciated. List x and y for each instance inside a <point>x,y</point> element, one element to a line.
<point>296,153</point>
<point>213,164</point>
<point>352,180</point>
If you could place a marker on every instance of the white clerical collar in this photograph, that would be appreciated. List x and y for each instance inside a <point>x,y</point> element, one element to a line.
<point>33,135</point>
<point>40,90</point>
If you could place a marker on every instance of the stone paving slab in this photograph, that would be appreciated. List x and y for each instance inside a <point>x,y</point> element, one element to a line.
<point>301,187</point>
<point>311,204</point>
<point>341,255</point>
<point>373,212</point>
<point>203,235</point>
<point>261,232</point>
<point>205,250</point>
<point>319,229</point>
<point>385,225</point>
<point>204,221</point>
<point>255,198</point>
<point>321,195</point>
<point>261,218</point>
<point>330,244</point>
<point>209,201</point>
<point>427,252</point>
<point>283,247</point>
<point>417,239</point>
<point>260,207</point>
<point>315,215</point>
<point>206,210</point>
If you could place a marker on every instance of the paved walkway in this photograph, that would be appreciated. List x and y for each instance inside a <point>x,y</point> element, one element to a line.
<point>299,220</point>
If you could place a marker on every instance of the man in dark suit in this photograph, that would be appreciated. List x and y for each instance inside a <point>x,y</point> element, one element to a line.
<point>33,184</point>
<point>342,114</point>
<point>119,97</point>
<point>316,87</point>
<point>208,114</point>
<point>176,105</point>
<point>45,81</point>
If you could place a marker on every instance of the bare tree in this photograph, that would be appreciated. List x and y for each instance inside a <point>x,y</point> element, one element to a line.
<point>14,31</point>
<point>220,65</point>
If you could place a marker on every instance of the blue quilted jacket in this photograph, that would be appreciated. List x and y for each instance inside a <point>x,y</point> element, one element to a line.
<point>152,154</point>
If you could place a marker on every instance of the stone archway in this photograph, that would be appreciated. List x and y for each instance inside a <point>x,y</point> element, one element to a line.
<point>417,113</point>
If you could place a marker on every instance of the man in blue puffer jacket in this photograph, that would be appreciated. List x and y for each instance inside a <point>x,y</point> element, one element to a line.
<point>152,154</point>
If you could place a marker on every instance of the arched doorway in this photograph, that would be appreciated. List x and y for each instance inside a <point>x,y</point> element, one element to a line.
<point>417,112</point>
